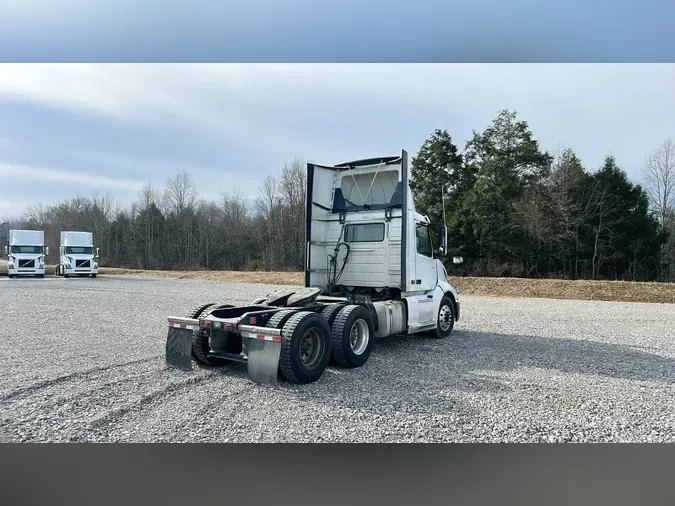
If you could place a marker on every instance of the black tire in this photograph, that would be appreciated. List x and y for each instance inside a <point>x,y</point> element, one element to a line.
<point>346,353</point>
<point>197,310</point>
<point>93,275</point>
<point>331,311</point>
<point>280,318</point>
<point>309,368</point>
<point>278,321</point>
<point>40,275</point>
<point>200,340</point>
<point>445,319</point>
<point>10,276</point>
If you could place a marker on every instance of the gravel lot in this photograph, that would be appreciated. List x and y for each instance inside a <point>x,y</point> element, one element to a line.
<point>82,360</point>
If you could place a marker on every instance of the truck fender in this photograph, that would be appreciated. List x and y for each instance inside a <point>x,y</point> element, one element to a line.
<point>452,297</point>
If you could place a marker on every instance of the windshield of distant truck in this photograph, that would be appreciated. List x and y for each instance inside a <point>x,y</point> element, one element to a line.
<point>79,250</point>
<point>26,249</point>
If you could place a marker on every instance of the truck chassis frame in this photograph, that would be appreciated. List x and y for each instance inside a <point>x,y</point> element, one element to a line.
<point>264,335</point>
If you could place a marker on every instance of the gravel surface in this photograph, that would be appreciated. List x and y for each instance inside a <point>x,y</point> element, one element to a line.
<point>82,360</point>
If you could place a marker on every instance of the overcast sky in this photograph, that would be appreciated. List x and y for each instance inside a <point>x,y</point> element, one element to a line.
<point>85,128</point>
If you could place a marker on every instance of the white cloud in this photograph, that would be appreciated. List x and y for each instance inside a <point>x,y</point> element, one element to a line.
<point>591,108</point>
<point>11,208</point>
<point>30,173</point>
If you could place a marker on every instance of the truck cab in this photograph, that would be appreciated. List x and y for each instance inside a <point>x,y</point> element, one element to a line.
<point>365,237</point>
<point>77,255</point>
<point>26,253</point>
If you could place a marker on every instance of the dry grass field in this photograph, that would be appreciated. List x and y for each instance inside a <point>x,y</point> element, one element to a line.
<point>621,291</point>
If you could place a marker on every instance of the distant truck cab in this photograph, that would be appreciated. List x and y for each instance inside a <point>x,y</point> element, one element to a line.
<point>77,255</point>
<point>26,253</point>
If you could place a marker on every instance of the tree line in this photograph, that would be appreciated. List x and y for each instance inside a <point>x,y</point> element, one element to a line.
<point>171,227</point>
<point>512,209</point>
<point>515,210</point>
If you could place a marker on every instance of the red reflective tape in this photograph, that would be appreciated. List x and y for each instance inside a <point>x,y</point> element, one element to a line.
<point>170,324</point>
<point>274,339</point>
<point>227,326</point>
<point>182,325</point>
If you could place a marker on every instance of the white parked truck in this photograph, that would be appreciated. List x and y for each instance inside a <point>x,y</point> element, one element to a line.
<point>370,273</point>
<point>77,256</point>
<point>26,253</point>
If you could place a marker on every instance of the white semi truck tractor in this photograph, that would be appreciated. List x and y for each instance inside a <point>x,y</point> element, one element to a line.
<point>26,253</point>
<point>77,255</point>
<point>370,273</point>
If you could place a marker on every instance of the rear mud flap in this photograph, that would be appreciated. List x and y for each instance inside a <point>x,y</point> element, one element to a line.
<point>179,349</point>
<point>263,361</point>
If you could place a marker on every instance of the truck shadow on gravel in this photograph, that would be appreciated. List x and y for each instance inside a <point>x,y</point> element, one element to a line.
<point>427,375</point>
<point>466,352</point>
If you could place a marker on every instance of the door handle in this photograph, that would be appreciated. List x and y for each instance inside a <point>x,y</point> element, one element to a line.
<point>430,296</point>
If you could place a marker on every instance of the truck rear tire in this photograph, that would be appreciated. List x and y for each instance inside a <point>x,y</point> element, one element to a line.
<point>352,336</point>
<point>305,347</point>
<point>331,311</point>
<point>278,321</point>
<point>445,321</point>
<point>200,341</point>
<point>280,318</point>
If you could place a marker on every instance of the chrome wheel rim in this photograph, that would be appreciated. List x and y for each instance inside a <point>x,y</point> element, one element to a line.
<point>359,335</point>
<point>445,318</point>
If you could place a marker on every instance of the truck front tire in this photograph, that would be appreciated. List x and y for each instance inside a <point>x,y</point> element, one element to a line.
<point>353,336</point>
<point>445,321</point>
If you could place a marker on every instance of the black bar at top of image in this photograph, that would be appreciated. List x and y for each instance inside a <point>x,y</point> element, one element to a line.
<point>338,31</point>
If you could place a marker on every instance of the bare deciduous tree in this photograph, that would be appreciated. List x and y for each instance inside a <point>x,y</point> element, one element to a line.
<point>659,176</point>
<point>180,193</point>
<point>604,205</point>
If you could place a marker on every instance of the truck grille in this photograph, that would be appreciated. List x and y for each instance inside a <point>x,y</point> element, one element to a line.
<point>79,264</point>
<point>26,264</point>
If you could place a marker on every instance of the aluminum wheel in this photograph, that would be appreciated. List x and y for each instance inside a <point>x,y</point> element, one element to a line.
<point>311,348</point>
<point>359,335</point>
<point>445,317</point>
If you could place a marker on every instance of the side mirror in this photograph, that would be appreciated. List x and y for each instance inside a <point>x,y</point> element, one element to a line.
<point>457,260</point>
<point>443,240</point>
<point>47,250</point>
<point>96,252</point>
<point>6,251</point>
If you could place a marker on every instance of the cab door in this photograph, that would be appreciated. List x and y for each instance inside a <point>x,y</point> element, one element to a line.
<point>425,272</point>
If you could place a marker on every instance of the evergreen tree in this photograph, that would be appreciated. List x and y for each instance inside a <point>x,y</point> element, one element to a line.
<point>504,161</point>
<point>626,237</point>
<point>436,171</point>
